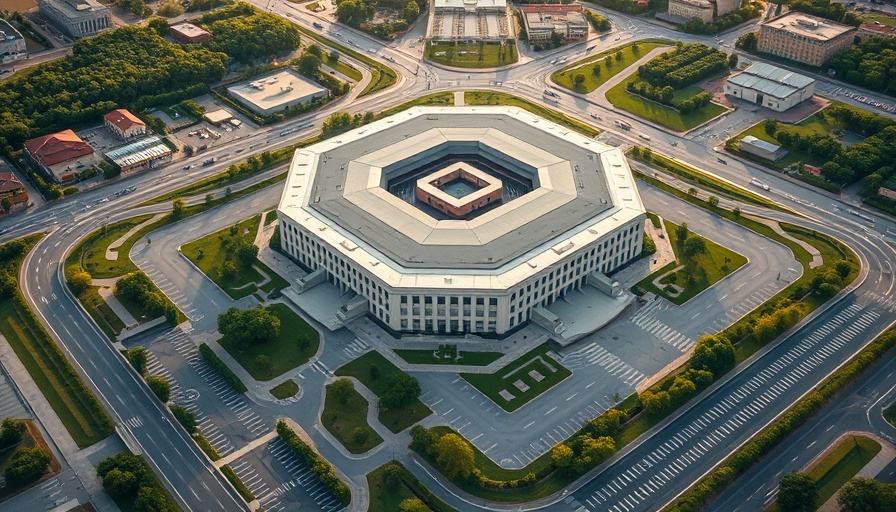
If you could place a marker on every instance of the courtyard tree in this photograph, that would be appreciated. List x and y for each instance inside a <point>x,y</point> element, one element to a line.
<point>343,389</point>
<point>309,65</point>
<point>26,466</point>
<point>693,247</point>
<point>253,325</point>
<point>401,390</point>
<point>455,456</point>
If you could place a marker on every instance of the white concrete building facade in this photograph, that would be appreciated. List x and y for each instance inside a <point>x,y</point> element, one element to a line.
<point>77,18</point>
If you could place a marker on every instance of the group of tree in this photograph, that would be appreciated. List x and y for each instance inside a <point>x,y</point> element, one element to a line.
<point>666,96</point>
<point>359,13</point>
<point>239,254</point>
<point>191,108</point>
<point>128,479</point>
<point>138,288</point>
<point>342,122</point>
<point>401,390</point>
<point>248,34</point>
<point>136,7</point>
<point>827,9</point>
<point>598,21</point>
<point>867,495</point>
<point>26,466</point>
<point>170,8</point>
<point>319,466</point>
<point>249,326</point>
<point>12,431</point>
<point>725,21</point>
<point>870,64</point>
<point>126,66</point>
<point>684,66</point>
<point>747,42</point>
<point>204,5</point>
<point>797,492</point>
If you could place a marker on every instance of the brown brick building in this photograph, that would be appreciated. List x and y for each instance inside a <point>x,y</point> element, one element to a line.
<point>803,38</point>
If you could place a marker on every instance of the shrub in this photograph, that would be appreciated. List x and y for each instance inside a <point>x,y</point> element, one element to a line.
<point>215,362</point>
<point>320,467</point>
<point>160,387</point>
<point>26,466</point>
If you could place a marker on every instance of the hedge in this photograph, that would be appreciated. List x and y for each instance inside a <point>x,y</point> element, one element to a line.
<point>231,378</point>
<point>238,484</point>
<point>320,467</point>
<point>743,459</point>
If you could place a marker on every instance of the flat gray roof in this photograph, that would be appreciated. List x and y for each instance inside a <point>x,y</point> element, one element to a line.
<point>811,27</point>
<point>759,143</point>
<point>771,80</point>
<point>138,151</point>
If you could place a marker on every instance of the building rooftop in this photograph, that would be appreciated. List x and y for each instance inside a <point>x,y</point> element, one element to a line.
<point>811,27</point>
<point>703,4</point>
<point>771,80</point>
<point>271,91</point>
<point>547,16</point>
<point>189,30</point>
<point>337,189</point>
<point>138,151</point>
<point>123,119</point>
<point>74,8</point>
<point>759,143</point>
<point>9,182</point>
<point>58,147</point>
<point>217,116</point>
<point>8,32</point>
<point>470,4</point>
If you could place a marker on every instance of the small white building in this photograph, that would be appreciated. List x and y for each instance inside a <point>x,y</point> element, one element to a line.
<point>770,86</point>
<point>761,148</point>
<point>274,92</point>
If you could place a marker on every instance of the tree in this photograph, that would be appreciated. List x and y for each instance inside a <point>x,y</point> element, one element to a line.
<point>713,353</point>
<point>595,70</point>
<point>732,61</point>
<point>681,390</point>
<point>413,504</point>
<point>8,284</point>
<point>693,247</point>
<point>562,455</point>
<point>12,431</point>
<point>401,389</point>
<point>797,493</point>
<point>314,49</point>
<point>656,404</point>
<point>578,79</point>
<point>354,12</point>
<point>137,356</point>
<point>246,253</point>
<point>177,208</point>
<point>635,48</point>
<point>618,56</point>
<point>153,499</point>
<point>159,25</point>
<point>392,475</point>
<point>120,484</point>
<point>713,201</point>
<point>343,389</point>
<point>360,435</point>
<point>185,417</point>
<point>209,198</point>
<point>865,495</point>
<point>333,57</point>
<point>608,62</point>
<point>598,450</point>
<point>160,386</point>
<point>229,270</point>
<point>411,11</point>
<point>455,456</point>
<point>337,123</point>
<point>6,204</point>
<point>26,466</point>
<point>736,212</point>
<point>681,233</point>
<point>747,42</point>
<point>253,325</point>
<point>843,268</point>
<point>80,282</point>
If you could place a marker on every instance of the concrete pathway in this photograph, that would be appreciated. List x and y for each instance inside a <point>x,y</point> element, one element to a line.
<point>459,99</point>
<point>634,273</point>
<point>885,456</point>
<point>246,449</point>
<point>108,295</point>
<point>112,253</point>
<point>817,260</point>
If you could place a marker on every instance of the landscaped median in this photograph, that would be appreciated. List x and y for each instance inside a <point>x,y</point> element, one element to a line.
<point>345,416</point>
<point>479,54</point>
<point>78,409</point>
<point>322,469</point>
<point>392,485</point>
<point>223,370</point>
<point>499,98</point>
<point>448,354</point>
<point>596,70</point>
<point>703,491</point>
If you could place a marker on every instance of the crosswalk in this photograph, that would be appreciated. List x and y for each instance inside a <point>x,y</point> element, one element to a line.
<point>302,478</point>
<point>593,354</point>
<point>171,291</point>
<point>357,348</point>
<point>645,318</point>
<point>887,301</point>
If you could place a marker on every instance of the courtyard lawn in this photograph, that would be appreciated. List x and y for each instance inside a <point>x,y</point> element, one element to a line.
<point>448,354</point>
<point>522,380</point>
<point>712,262</point>
<point>507,100</point>
<point>297,342</point>
<point>395,420</point>
<point>564,77</point>
<point>341,420</point>
<point>386,498</point>
<point>472,55</point>
<point>841,463</point>
<point>883,20</point>
<point>285,390</point>
<point>209,254</point>
<point>662,114</point>
<point>101,313</point>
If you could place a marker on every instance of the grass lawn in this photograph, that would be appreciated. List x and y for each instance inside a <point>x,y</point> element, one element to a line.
<point>101,313</point>
<point>471,55</point>
<point>342,420</point>
<point>435,99</point>
<point>31,439</point>
<point>346,69</point>
<point>270,217</point>
<point>537,359</point>
<point>500,98</point>
<point>890,414</point>
<point>91,252</point>
<point>395,420</point>
<point>285,390</point>
<point>842,463</point>
<point>285,353</point>
<point>712,263</point>
<point>662,114</point>
<point>210,252</point>
<point>448,354</point>
<point>883,20</point>
<point>385,498</point>
<point>564,77</point>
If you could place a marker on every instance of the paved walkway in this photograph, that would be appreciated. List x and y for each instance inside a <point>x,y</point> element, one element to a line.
<point>884,457</point>
<point>107,292</point>
<point>112,254</point>
<point>634,273</point>
<point>246,449</point>
<point>817,260</point>
<point>459,99</point>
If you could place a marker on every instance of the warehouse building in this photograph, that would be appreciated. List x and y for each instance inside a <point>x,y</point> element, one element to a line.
<point>770,87</point>
<point>804,38</point>
<point>145,153</point>
<point>761,148</point>
<point>272,93</point>
<point>469,20</point>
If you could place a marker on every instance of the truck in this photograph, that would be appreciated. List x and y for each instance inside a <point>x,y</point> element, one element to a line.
<point>624,125</point>
<point>210,161</point>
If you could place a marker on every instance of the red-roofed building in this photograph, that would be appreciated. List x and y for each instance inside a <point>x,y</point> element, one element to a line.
<point>61,154</point>
<point>12,189</point>
<point>187,33</point>
<point>124,124</point>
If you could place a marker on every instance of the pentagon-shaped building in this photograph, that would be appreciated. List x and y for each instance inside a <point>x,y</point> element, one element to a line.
<point>460,220</point>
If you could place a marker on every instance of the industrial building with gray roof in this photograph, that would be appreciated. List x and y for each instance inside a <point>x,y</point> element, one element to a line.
<point>770,86</point>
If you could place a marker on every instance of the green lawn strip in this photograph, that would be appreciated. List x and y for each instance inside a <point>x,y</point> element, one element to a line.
<point>662,114</point>
<point>206,446</point>
<point>91,250</point>
<point>285,390</point>
<point>270,217</point>
<point>434,99</point>
<point>471,55</point>
<point>883,20</point>
<point>101,313</point>
<point>208,254</point>
<point>386,498</point>
<point>507,100</point>
<point>890,414</point>
<point>536,359</point>
<point>465,358</point>
<point>295,345</point>
<point>383,76</point>
<point>223,370</point>
<point>82,414</point>
<point>341,420</point>
<point>765,441</point>
<point>705,180</point>
<point>395,420</point>
<point>564,77</point>
<point>841,464</point>
<point>548,482</point>
<point>237,484</point>
<point>713,263</point>
<point>346,69</point>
